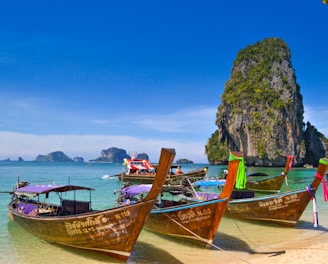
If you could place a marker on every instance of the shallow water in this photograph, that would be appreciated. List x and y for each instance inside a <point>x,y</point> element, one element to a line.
<point>236,241</point>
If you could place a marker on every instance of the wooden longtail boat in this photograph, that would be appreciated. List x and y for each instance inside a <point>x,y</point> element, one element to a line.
<point>197,220</point>
<point>171,178</point>
<point>137,171</point>
<point>283,208</point>
<point>264,184</point>
<point>271,183</point>
<point>74,223</point>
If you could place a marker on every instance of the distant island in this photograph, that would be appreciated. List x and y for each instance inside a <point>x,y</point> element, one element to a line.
<point>113,155</point>
<point>184,161</point>
<point>57,156</point>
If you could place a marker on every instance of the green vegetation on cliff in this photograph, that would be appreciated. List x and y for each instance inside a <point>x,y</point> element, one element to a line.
<point>254,84</point>
<point>257,101</point>
<point>216,151</point>
<point>261,111</point>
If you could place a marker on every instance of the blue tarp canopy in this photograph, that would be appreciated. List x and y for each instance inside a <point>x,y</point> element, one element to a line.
<point>209,183</point>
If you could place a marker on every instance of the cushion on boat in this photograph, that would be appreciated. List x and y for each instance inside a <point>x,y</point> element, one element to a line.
<point>27,208</point>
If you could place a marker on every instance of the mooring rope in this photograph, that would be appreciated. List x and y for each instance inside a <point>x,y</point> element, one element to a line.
<point>193,189</point>
<point>200,238</point>
<point>191,232</point>
<point>274,253</point>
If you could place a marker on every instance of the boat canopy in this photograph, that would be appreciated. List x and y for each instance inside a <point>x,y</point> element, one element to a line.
<point>137,164</point>
<point>136,189</point>
<point>143,188</point>
<point>43,189</point>
<point>220,182</point>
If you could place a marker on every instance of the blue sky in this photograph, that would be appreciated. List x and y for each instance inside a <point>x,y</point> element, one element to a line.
<point>82,76</point>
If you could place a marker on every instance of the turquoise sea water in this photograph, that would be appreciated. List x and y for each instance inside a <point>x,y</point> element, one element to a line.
<point>237,239</point>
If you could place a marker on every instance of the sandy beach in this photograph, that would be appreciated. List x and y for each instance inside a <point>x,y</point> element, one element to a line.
<point>271,244</point>
<point>313,251</point>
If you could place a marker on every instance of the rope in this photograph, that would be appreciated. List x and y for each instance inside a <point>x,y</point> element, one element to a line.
<point>193,189</point>
<point>287,187</point>
<point>200,238</point>
<point>273,253</point>
<point>191,232</point>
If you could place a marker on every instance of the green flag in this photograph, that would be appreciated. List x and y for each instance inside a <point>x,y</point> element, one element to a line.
<point>241,174</point>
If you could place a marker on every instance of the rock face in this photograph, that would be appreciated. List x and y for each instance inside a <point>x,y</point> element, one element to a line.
<point>261,113</point>
<point>314,146</point>
<point>78,159</point>
<point>184,161</point>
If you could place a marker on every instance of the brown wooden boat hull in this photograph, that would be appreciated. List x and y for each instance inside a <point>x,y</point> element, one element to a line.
<point>283,208</point>
<point>147,178</point>
<point>197,221</point>
<point>111,232</point>
<point>267,184</point>
<point>270,183</point>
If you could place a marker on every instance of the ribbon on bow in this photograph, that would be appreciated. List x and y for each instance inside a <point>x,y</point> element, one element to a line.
<point>324,186</point>
<point>290,162</point>
<point>315,211</point>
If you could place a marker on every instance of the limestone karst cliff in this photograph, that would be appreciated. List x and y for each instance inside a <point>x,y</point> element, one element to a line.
<point>261,110</point>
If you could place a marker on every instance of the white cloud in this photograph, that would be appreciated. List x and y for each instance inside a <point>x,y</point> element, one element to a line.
<point>186,130</point>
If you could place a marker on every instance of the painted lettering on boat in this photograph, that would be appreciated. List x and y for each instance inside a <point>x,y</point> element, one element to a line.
<point>122,214</point>
<point>192,215</point>
<point>280,202</point>
<point>93,224</point>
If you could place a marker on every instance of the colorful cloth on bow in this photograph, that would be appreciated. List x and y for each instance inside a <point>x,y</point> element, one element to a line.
<point>324,183</point>
<point>241,174</point>
<point>290,162</point>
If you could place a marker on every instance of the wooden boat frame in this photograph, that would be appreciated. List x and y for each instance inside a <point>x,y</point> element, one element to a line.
<point>271,183</point>
<point>170,178</point>
<point>283,208</point>
<point>112,231</point>
<point>197,221</point>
